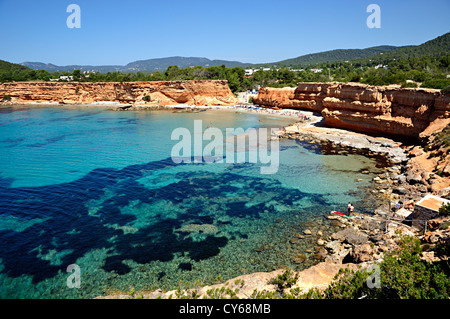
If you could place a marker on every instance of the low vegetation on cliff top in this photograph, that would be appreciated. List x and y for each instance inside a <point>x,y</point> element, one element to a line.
<point>401,275</point>
<point>427,72</point>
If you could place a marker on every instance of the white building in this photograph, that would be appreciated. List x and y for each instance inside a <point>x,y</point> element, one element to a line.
<point>249,71</point>
<point>66,78</point>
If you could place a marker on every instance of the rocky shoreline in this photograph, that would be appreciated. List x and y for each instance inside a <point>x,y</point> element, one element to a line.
<point>353,243</point>
<point>407,170</point>
<point>356,244</point>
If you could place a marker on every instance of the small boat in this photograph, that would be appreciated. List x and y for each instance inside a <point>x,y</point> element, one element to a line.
<point>341,214</point>
<point>338,213</point>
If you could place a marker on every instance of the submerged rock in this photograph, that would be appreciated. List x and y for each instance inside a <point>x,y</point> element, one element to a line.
<point>262,248</point>
<point>199,228</point>
<point>299,258</point>
<point>320,254</point>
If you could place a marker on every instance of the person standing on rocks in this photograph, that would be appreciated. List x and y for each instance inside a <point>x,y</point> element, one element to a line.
<point>350,208</point>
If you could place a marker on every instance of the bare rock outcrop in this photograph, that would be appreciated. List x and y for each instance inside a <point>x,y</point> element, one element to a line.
<point>369,109</point>
<point>201,92</point>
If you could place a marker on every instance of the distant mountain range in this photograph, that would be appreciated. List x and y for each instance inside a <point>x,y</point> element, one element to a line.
<point>437,46</point>
<point>160,64</point>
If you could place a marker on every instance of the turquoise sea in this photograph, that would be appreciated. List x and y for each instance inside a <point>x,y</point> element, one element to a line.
<point>99,189</point>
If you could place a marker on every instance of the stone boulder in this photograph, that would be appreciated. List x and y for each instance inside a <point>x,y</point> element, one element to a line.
<point>337,251</point>
<point>414,178</point>
<point>367,224</point>
<point>320,254</point>
<point>362,253</point>
<point>416,151</point>
<point>333,246</point>
<point>350,236</point>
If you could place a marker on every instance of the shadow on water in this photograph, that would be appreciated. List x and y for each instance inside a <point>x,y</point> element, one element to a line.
<point>63,209</point>
<point>67,225</point>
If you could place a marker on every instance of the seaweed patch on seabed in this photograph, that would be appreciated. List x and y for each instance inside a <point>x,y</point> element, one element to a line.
<point>68,225</point>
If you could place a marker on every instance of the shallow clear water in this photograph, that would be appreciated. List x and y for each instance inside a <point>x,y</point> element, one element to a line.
<point>98,189</point>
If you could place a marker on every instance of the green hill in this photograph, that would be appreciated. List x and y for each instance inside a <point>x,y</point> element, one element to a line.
<point>11,67</point>
<point>16,72</point>
<point>439,46</point>
<point>333,56</point>
<point>427,65</point>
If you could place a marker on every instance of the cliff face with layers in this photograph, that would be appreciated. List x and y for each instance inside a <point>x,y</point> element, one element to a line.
<point>202,92</point>
<point>368,109</point>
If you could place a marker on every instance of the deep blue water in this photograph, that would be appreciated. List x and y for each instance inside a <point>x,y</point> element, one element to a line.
<point>99,189</point>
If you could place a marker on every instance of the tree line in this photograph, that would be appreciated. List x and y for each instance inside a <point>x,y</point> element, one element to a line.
<point>426,71</point>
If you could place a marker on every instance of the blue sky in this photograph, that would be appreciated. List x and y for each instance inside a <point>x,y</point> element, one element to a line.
<point>119,32</point>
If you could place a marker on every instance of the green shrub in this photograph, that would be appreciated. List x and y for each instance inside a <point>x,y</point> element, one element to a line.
<point>403,275</point>
<point>436,83</point>
<point>446,90</point>
<point>348,284</point>
<point>444,210</point>
<point>409,85</point>
<point>286,280</point>
<point>355,78</point>
<point>444,225</point>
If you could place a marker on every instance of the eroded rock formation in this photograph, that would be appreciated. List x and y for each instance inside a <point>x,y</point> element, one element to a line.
<point>200,92</point>
<point>369,109</point>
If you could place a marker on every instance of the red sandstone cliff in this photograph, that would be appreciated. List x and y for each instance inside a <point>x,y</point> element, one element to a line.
<point>368,109</point>
<point>200,92</point>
